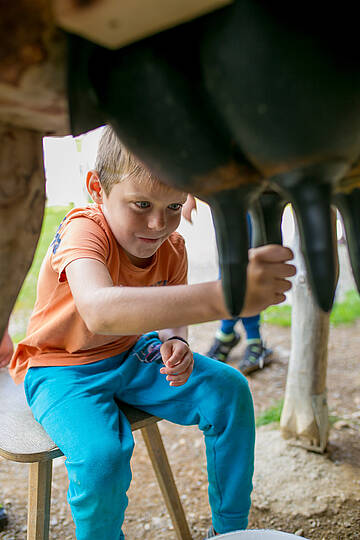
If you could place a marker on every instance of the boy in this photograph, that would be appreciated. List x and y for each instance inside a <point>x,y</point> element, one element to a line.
<point>101,288</point>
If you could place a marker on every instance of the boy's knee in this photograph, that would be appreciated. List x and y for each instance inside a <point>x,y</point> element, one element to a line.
<point>237,389</point>
<point>232,380</point>
<point>106,464</point>
<point>239,382</point>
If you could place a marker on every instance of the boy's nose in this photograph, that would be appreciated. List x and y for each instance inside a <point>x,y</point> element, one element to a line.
<point>157,222</point>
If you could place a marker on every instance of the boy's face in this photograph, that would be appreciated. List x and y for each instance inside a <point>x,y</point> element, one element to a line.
<point>141,216</point>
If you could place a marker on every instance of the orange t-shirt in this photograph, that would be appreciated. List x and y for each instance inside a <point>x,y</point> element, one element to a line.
<point>57,335</point>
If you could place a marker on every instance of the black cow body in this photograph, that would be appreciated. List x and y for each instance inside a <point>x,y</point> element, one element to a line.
<point>247,105</point>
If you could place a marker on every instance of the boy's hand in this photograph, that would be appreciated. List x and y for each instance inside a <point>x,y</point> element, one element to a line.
<point>267,275</point>
<point>6,349</point>
<point>178,361</point>
<point>188,208</point>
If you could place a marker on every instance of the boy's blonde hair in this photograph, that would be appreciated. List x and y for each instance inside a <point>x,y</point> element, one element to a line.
<point>114,163</point>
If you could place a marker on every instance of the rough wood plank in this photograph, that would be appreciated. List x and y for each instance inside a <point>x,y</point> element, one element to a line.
<point>113,24</point>
<point>166,480</point>
<point>32,68</point>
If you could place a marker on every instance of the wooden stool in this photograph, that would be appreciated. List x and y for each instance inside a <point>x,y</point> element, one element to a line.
<point>22,439</point>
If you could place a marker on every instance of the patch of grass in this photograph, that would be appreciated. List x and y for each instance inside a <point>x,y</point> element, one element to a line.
<point>273,414</point>
<point>277,315</point>
<point>270,415</point>
<point>345,312</point>
<point>26,299</point>
<point>348,311</point>
<point>333,419</point>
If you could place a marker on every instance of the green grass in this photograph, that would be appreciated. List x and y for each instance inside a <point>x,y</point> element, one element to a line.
<point>278,315</point>
<point>273,414</point>
<point>26,299</point>
<point>333,419</point>
<point>348,311</point>
<point>270,415</point>
<point>345,312</point>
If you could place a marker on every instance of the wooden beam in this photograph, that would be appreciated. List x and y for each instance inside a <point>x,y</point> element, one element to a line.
<point>113,24</point>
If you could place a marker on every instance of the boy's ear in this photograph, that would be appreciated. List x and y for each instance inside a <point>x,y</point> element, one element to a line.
<point>94,187</point>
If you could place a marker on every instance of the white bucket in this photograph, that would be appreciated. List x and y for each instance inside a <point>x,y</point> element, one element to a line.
<point>260,534</point>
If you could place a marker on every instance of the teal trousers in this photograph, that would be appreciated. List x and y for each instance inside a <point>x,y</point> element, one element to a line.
<point>76,406</point>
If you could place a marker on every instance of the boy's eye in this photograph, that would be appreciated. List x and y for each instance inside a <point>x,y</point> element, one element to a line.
<point>142,204</point>
<point>175,206</point>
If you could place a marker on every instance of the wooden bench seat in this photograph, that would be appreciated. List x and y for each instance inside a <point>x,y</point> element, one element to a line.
<point>22,439</point>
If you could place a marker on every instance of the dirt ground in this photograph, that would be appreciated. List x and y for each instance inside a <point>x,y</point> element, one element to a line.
<point>311,495</point>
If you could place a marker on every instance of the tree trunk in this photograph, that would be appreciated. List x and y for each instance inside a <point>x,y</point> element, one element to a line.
<point>305,413</point>
<point>22,201</point>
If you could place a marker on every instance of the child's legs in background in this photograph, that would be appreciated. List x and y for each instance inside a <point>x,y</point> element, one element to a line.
<point>75,405</point>
<point>252,327</point>
<point>227,326</point>
<point>218,399</point>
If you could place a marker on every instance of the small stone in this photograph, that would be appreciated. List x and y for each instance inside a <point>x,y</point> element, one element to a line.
<point>299,532</point>
<point>147,527</point>
<point>198,443</point>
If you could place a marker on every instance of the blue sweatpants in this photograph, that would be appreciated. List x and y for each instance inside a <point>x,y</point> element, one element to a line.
<point>76,406</point>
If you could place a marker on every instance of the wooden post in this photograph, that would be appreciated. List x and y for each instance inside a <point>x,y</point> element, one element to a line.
<point>22,201</point>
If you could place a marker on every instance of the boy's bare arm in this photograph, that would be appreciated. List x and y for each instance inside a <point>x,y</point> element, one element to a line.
<point>109,309</point>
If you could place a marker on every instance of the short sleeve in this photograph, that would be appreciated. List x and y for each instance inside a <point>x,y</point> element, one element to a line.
<point>79,238</point>
<point>179,266</point>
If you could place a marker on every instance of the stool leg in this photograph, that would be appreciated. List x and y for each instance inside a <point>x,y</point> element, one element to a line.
<point>40,474</point>
<point>157,453</point>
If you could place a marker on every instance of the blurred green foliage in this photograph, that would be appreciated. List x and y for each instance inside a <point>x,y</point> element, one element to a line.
<point>345,312</point>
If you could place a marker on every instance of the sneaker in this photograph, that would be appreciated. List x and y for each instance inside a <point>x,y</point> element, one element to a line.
<point>211,533</point>
<point>3,518</point>
<point>256,356</point>
<point>220,349</point>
